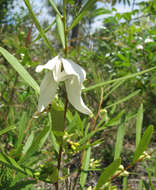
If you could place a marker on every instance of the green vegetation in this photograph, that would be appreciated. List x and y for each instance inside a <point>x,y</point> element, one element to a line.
<point>60,147</point>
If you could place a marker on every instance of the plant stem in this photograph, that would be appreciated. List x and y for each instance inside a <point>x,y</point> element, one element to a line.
<point>93,124</point>
<point>61,145</point>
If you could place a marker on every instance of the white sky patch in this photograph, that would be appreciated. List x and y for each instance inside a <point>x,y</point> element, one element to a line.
<point>42,11</point>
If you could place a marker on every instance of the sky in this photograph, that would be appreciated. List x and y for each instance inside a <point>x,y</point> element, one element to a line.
<point>43,12</point>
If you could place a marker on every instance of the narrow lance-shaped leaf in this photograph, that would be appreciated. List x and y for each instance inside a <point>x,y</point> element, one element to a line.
<point>37,143</point>
<point>124,184</point>
<point>118,79</point>
<point>20,69</point>
<point>55,7</point>
<point>60,29</point>
<point>145,140</point>
<point>85,166</point>
<point>11,163</point>
<point>82,13</point>
<point>21,128</point>
<point>45,30</point>
<point>139,124</point>
<point>108,173</point>
<point>124,99</point>
<point>38,26</point>
<point>52,136</point>
<point>114,87</point>
<point>119,141</point>
<point>3,131</point>
<point>57,115</point>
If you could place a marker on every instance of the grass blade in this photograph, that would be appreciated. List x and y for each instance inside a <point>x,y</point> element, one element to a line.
<point>20,69</point>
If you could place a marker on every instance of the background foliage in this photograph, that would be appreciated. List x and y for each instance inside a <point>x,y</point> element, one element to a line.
<point>124,109</point>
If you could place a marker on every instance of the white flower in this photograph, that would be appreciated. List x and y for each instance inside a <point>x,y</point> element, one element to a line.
<point>139,47</point>
<point>107,55</point>
<point>148,40</point>
<point>62,70</point>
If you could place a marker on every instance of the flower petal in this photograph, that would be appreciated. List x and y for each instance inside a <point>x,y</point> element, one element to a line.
<point>49,65</point>
<point>47,91</point>
<point>73,88</point>
<point>74,69</point>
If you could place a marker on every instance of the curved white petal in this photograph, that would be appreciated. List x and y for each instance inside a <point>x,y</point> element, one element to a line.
<point>49,65</point>
<point>57,70</point>
<point>73,88</point>
<point>74,69</point>
<point>47,91</point>
<point>39,68</point>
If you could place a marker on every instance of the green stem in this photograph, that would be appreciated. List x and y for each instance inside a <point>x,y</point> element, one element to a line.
<point>66,102</point>
<point>65,27</point>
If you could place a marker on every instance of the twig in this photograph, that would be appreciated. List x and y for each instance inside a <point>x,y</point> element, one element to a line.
<point>29,122</point>
<point>98,112</point>
<point>132,165</point>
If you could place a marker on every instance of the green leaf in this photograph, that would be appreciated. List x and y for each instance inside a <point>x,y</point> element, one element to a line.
<point>52,136</point>
<point>37,143</point>
<point>82,13</point>
<point>20,69</point>
<point>145,140</point>
<point>57,114</point>
<point>45,30</point>
<point>108,173</point>
<point>119,141</point>
<point>117,119</point>
<point>11,163</point>
<point>140,186</point>
<point>123,99</point>
<point>124,184</point>
<point>28,143</point>
<point>21,128</point>
<point>38,26</point>
<point>100,11</point>
<point>3,131</point>
<point>22,184</point>
<point>114,87</point>
<point>85,166</point>
<point>118,79</point>
<point>60,29</point>
<point>150,179</point>
<point>139,124</point>
<point>55,8</point>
